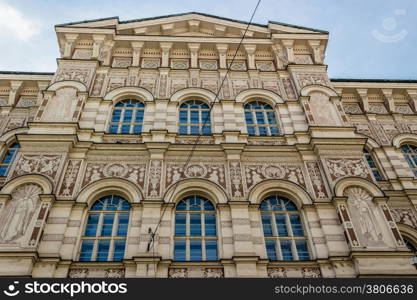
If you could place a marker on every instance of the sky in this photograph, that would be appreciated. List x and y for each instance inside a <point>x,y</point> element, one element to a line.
<point>368,38</point>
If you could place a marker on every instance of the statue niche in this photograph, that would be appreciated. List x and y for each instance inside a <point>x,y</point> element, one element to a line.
<point>324,111</point>
<point>18,213</point>
<point>61,106</point>
<point>368,223</point>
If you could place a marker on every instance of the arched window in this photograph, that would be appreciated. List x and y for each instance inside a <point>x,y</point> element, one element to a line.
<point>8,158</point>
<point>410,153</point>
<point>127,117</point>
<point>283,230</point>
<point>372,165</point>
<point>194,118</point>
<point>260,119</point>
<point>195,230</point>
<point>105,233</point>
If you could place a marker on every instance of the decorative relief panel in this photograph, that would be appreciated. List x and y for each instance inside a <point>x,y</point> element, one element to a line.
<point>345,167</point>
<point>289,88</point>
<point>132,172</point>
<point>271,85</point>
<point>27,102</point>
<point>303,59</point>
<point>213,273</point>
<point>44,164</point>
<point>378,108</point>
<point>116,82</point>
<point>82,54</point>
<point>237,65</point>
<point>265,65</point>
<point>212,172</point>
<point>178,84</point>
<point>154,179</point>
<point>150,63</point>
<point>404,109</point>
<point>96,273</point>
<point>352,108</point>
<point>294,272</point>
<point>148,84</point>
<point>180,64</point>
<point>404,216</point>
<point>178,273</point>
<point>309,79</point>
<point>70,178</point>
<point>320,191</point>
<point>257,173</point>
<point>239,86</point>
<point>18,213</point>
<point>210,85</point>
<point>208,64</point>
<point>278,272</point>
<point>98,84</point>
<point>79,73</point>
<point>119,62</point>
<point>236,179</point>
<point>311,272</point>
<point>266,142</point>
<point>14,122</point>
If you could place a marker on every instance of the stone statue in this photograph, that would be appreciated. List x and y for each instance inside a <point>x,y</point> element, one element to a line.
<point>18,212</point>
<point>362,210</point>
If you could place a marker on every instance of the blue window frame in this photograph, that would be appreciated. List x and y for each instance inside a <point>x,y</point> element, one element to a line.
<point>194,118</point>
<point>8,158</point>
<point>260,119</point>
<point>195,230</point>
<point>127,117</point>
<point>410,154</point>
<point>104,237</point>
<point>283,230</point>
<point>372,165</point>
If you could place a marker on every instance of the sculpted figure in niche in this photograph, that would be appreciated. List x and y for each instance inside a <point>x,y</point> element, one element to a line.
<point>61,106</point>
<point>18,212</point>
<point>362,210</point>
<point>323,110</point>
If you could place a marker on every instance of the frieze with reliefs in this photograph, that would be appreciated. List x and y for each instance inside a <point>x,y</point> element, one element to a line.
<point>213,273</point>
<point>132,172</point>
<point>271,86</point>
<point>239,86</point>
<point>212,172</point>
<point>346,167</point>
<point>178,273</point>
<point>259,172</point>
<point>352,108</point>
<point>44,164</point>
<point>98,84</point>
<point>267,65</point>
<point>311,272</point>
<point>210,85</point>
<point>70,178</point>
<point>148,84</point>
<point>404,216</point>
<point>14,122</point>
<point>178,84</point>
<point>79,73</point>
<point>310,79</point>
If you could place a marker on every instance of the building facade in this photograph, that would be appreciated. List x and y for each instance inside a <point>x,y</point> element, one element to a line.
<point>124,163</point>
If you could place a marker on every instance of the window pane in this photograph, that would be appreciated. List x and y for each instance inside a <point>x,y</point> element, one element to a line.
<point>137,129</point>
<point>107,227</point>
<point>139,116</point>
<point>194,117</point>
<point>179,251</point>
<point>183,116</point>
<point>274,131</point>
<point>266,223</point>
<point>92,222</point>
<point>180,225</point>
<point>297,228</point>
<point>281,225</point>
<point>183,130</point>
<point>271,117</point>
<point>3,170</point>
<point>128,116</point>
<point>210,220</point>
<point>103,250</point>
<point>205,118</point>
<point>195,250</point>
<point>211,250</point>
<point>251,131</point>
<point>248,117</point>
<point>286,250</point>
<point>195,225</point>
<point>125,129</point>
<point>207,129</point>
<point>263,131</point>
<point>113,128</point>
<point>270,249</point>
<point>123,224</point>
<point>302,250</point>
<point>260,117</point>
<point>86,250</point>
<point>195,130</point>
<point>119,250</point>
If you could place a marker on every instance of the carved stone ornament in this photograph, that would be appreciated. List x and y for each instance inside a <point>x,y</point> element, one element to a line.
<point>344,167</point>
<point>278,272</point>
<point>311,272</point>
<point>18,212</point>
<point>404,216</point>
<point>213,273</point>
<point>78,273</point>
<point>208,64</point>
<point>178,273</point>
<point>257,173</point>
<point>46,165</point>
<point>265,65</point>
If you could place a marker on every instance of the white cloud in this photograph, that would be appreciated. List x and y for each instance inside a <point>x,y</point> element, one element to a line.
<point>12,21</point>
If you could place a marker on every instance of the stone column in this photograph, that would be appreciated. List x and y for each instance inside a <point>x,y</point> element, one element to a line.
<point>165,48</point>
<point>194,54</point>
<point>137,50</point>
<point>222,50</point>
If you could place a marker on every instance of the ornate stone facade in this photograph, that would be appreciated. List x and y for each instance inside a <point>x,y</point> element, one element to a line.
<point>354,223</point>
